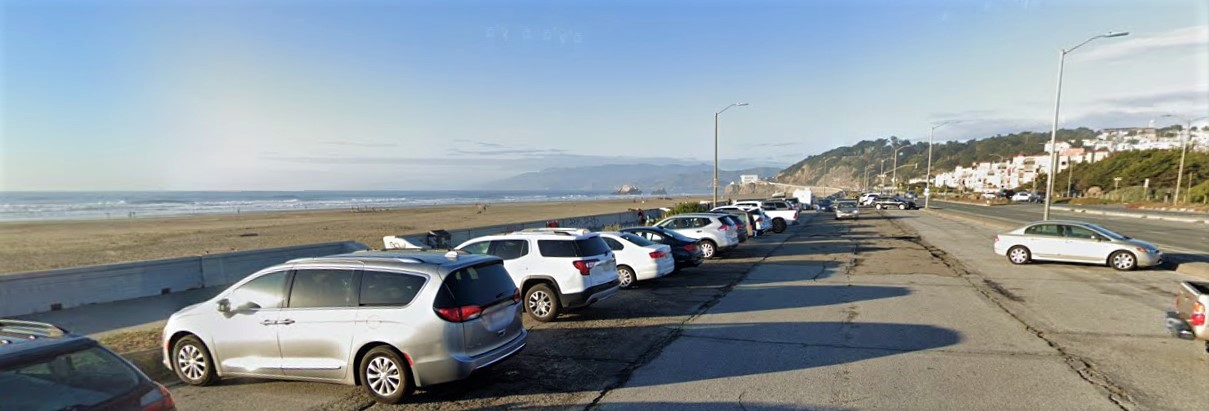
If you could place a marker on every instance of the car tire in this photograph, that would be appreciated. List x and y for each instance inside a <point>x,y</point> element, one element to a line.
<point>192,362</point>
<point>877,206</point>
<point>902,206</point>
<point>541,302</point>
<point>709,249</point>
<point>1019,255</point>
<point>626,276</point>
<point>778,225</point>
<point>385,376</point>
<point>1123,261</point>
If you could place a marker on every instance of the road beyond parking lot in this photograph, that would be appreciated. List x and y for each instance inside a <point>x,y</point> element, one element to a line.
<point>830,315</point>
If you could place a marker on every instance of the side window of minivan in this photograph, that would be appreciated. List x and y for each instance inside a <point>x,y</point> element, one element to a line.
<point>322,288</point>
<point>509,249</point>
<point>266,291</point>
<point>387,289</point>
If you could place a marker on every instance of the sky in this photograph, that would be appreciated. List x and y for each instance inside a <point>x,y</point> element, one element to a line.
<point>404,95</point>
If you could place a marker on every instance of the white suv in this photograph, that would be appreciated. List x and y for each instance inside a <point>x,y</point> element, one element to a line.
<point>715,234</point>
<point>555,268</point>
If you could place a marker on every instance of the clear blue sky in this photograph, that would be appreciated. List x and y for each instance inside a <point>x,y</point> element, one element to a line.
<point>218,95</point>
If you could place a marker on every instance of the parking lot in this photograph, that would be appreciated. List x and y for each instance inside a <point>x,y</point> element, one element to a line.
<point>898,310</point>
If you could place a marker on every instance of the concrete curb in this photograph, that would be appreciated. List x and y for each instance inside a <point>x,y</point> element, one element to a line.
<point>1195,269</point>
<point>1133,215</point>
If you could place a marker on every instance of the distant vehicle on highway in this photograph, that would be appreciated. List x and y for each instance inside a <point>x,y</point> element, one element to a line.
<point>555,268</point>
<point>685,250</point>
<point>716,234</point>
<point>1187,320</point>
<point>388,321</point>
<point>1077,242</point>
<point>847,209</point>
<point>882,203</point>
<point>43,367</point>
<point>824,205</point>
<point>1023,197</point>
<point>638,258</point>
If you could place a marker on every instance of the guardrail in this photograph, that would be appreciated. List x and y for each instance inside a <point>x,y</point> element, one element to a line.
<point>32,292</point>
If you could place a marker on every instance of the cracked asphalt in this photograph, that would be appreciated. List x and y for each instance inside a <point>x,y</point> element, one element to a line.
<point>898,310</point>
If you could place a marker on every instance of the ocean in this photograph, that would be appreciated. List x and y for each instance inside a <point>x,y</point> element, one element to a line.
<point>34,206</point>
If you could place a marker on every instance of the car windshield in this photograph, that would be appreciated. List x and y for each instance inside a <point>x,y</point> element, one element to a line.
<point>65,381</point>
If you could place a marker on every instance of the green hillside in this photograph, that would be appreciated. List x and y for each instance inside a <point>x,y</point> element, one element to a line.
<point>1134,167</point>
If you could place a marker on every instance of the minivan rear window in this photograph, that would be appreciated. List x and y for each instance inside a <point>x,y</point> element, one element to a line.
<point>479,285</point>
<point>70,380</point>
<point>573,248</point>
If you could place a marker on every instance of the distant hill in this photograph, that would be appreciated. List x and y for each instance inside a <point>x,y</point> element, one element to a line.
<point>675,178</point>
<point>845,166</point>
<point>1134,167</point>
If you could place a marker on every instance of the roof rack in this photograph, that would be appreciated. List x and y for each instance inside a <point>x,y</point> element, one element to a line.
<point>555,230</point>
<point>34,328</point>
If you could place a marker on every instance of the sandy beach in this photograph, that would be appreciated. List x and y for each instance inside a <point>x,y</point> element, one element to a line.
<point>34,246</point>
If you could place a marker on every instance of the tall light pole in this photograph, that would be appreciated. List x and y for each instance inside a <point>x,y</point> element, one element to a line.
<point>1183,152</point>
<point>928,177</point>
<point>716,114</point>
<point>894,172</point>
<point>865,181</point>
<point>1053,137</point>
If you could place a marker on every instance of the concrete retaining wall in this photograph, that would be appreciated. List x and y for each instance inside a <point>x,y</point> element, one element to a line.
<point>26,293</point>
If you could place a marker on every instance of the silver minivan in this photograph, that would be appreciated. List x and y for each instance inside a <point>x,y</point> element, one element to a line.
<point>388,321</point>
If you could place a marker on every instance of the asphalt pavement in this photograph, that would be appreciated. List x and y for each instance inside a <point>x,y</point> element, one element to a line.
<point>1180,240</point>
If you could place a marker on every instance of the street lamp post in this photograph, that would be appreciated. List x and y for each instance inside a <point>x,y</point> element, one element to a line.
<point>1183,152</point>
<point>894,172</point>
<point>1053,137</point>
<point>716,114</point>
<point>928,177</point>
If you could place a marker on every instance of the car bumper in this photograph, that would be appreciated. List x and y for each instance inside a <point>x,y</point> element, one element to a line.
<point>655,269</point>
<point>458,367</point>
<point>690,261</point>
<point>1179,328</point>
<point>590,296</point>
<point>1150,259</point>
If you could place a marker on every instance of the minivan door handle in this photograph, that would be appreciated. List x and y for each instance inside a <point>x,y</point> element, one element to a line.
<point>268,322</point>
<point>286,321</point>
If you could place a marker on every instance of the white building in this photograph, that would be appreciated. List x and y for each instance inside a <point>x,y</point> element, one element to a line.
<point>749,178</point>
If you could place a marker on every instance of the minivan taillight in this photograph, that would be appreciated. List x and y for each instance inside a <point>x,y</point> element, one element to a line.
<point>158,399</point>
<point>657,254</point>
<point>461,314</point>
<point>1198,315</point>
<point>584,266</point>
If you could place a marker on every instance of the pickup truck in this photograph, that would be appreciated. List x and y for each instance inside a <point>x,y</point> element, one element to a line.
<point>781,213</point>
<point>1188,319</point>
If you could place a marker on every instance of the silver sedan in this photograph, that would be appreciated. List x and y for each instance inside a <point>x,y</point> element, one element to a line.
<point>1077,242</point>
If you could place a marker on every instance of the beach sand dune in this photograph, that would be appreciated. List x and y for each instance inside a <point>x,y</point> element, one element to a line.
<point>34,246</point>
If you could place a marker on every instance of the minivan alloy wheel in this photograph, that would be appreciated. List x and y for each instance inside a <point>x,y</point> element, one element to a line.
<point>382,375</point>
<point>190,362</point>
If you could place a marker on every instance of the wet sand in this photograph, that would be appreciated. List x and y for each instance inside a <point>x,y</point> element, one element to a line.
<point>34,246</point>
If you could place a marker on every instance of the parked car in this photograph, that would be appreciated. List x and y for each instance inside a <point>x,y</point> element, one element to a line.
<point>388,321</point>
<point>763,222</point>
<point>44,367</point>
<point>715,233</point>
<point>685,250</point>
<point>739,223</point>
<point>555,268</point>
<point>749,218</point>
<point>894,202</point>
<point>1076,241</point>
<point>1022,197</point>
<point>1187,319</point>
<point>867,199</point>
<point>847,209</point>
<point>638,259</point>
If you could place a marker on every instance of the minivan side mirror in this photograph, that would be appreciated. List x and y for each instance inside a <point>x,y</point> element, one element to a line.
<point>224,305</point>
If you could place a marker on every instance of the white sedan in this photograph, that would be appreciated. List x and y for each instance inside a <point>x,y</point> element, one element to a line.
<point>638,258</point>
